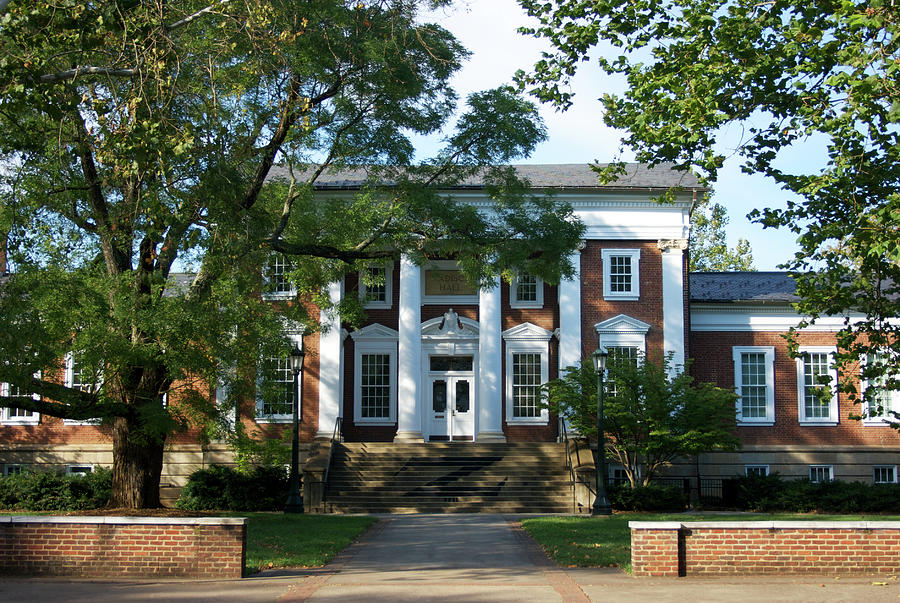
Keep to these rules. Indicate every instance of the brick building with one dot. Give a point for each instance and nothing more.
(437, 360)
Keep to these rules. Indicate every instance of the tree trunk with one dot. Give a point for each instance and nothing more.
(137, 467)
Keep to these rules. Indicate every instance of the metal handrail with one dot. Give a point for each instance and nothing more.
(336, 434)
(569, 465)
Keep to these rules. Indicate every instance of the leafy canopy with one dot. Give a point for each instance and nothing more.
(650, 415)
(783, 71)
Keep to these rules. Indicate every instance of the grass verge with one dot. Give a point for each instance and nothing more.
(284, 540)
(606, 541)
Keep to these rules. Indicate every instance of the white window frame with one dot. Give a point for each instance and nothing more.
(277, 295)
(375, 339)
(737, 353)
(8, 467)
(537, 302)
(833, 417)
(526, 338)
(294, 339)
(388, 289)
(73, 469)
(635, 257)
(875, 469)
(830, 469)
(892, 404)
(70, 379)
(747, 468)
(33, 418)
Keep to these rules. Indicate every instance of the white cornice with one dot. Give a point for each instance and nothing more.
(748, 318)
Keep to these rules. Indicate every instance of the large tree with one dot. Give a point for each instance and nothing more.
(138, 139)
(782, 71)
(708, 250)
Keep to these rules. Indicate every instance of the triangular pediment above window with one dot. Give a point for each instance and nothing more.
(291, 327)
(622, 325)
(527, 332)
(375, 332)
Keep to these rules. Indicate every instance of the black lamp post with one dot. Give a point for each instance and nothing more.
(294, 503)
(601, 504)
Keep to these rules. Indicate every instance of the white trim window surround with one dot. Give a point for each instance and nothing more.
(376, 286)
(621, 274)
(18, 416)
(887, 402)
(754, 382)
(275, 386)
(81, 469)
(375, 375)
(86, 378)
(623, 332)
(821, 473)
(13, 469)
(527, 369)
(526, 291)
(275, 283)
(817, 400)
(884, 474)
(756, 470)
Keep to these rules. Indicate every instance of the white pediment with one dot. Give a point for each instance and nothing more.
(450, 326)
(291, 327)
(527, 332)
(622, 325)
(375, 332)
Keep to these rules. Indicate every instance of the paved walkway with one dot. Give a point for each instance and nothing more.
(454, 558)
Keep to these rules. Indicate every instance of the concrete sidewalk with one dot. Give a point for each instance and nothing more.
(454, 558)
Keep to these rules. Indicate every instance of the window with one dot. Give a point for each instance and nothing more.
(884, 402)
(375, 375)
(276, 284)
(275, 390)
(821, 473)
(884, 474)
(80, 375)
(756, 470)
(754, 382)
(527, 368)
(618, 356)
(18, 416)
(625, 339)
(79, 469)
(376, 286)
(620, 274)
(526, 291)
(816, 386)
(13, 469)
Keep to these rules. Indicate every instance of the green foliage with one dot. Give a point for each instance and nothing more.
(782, 73)
(139, 139)
(647, 498)
(709, 250)
(51, 491)
(773, 493)
(226, 489)
(650, 414)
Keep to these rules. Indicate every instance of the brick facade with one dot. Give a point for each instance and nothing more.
(717, 548)
(123, 547)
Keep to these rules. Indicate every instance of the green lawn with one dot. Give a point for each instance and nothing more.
(283, 540)
(606, 541)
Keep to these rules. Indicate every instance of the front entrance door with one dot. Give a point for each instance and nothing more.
(451, 385)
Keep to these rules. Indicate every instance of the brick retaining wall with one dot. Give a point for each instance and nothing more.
(764, 547)
(123, 547)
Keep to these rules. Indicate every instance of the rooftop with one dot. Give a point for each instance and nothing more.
(745, 287)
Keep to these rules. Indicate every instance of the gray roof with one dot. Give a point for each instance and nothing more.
(745, 287)
(558, 176)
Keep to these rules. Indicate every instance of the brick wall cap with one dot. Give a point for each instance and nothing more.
(100, 519)
(766, 525)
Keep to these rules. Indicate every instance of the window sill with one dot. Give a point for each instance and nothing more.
(755, 423)
(526, 305)
(818, 423)
(377, 306)
(375, 422)
(279, 296)
(629, 297)
(277, 419)
(529, 421)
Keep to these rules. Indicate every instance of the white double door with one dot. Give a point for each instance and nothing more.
(451, 405)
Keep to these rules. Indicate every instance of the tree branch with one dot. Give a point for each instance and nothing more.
(86, 70)
(327, 251)
(196, 15)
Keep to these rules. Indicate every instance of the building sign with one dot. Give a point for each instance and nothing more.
(447, 282)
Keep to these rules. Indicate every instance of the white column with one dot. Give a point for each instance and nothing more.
(409, 353)
(673, 300)
(490, 366)
(570, 317)
(331, 355)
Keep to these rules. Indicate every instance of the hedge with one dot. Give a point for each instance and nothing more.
(771, 493)
(52, 491)
(226, 489)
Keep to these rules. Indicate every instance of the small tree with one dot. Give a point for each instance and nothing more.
(650, 415)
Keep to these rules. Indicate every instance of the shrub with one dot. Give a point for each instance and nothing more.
(227, 489)
(53, 491)
(772, 493)
(647, 498)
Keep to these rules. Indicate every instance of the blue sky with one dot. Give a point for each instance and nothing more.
(488, 29)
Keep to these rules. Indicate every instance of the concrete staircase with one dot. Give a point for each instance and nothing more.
(448, 477)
